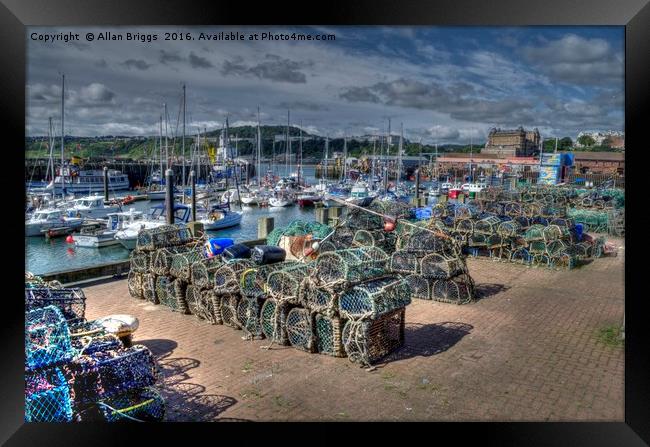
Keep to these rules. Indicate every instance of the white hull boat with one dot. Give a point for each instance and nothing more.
(98, 239)
(92, 207)
(219, 220)
(278, 202)
(88, 181)
(41, 221)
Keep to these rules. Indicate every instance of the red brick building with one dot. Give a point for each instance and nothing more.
(599, 162)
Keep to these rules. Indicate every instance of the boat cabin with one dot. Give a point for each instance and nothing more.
(181, 212)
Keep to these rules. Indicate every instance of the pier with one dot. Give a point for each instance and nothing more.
(528, 350)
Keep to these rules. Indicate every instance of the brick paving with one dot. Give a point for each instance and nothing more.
(529, 350)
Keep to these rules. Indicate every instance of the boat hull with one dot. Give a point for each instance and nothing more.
(38, 228)
(96, 241)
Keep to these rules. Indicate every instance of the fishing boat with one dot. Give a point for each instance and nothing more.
(358, 193)
(87, 181)
(128, 235)
(309, 197)
(91, 206)
(46, 219)
(105, 237)
(281, 199)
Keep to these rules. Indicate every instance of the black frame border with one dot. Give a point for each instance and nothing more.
(15, 15)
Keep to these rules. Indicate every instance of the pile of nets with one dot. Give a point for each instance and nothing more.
(76, 371)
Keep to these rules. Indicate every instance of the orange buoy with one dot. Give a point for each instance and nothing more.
(69, 239)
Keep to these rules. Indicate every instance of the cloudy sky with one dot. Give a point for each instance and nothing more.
(445, 84)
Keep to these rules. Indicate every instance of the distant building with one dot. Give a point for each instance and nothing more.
(599, 162)
(616, 139)
(513, 143)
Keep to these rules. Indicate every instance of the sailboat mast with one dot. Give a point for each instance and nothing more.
(288, 149)
(183, 143)
(166, 139)
(399, 156)
(259, 150)
(62, 134)
(300, 165)
(345, 158)
(160, 145)
(52, 149)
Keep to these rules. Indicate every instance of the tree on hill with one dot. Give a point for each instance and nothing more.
(586, 140)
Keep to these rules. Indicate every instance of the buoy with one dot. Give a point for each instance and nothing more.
(69, 239)
(389, 225)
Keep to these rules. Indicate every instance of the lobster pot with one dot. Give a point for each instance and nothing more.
(342, 238)
(350, 266)
(284, 284)
(192, 299)
(424, 241)
(205, 308)
(229, 305)
(403, 261)
(248, 314)
(555, 232)
(521, 255)
(441, 266)
(420, 286)
(149, 285)
(47, 397)
(203, 272)
(508, 228)
(487, 226)
(47, 338)
(361, 220)
(163, 236)
(70, 301)
(457, 290)
(144, 405)
(85, 380)
(253, 281)
(125, 369)
(226, 277)
(555, 248)
(216, 305)
(165, 292)
(375, 297)
(161, 260)
(83, 330)
(134, 283)
(464, 226)
(180, 287)
(540, 260)
(140, 261)
(96, 343)
(181, 263)
(534, 233)
(273, 317)
(366, 341)
(564, 260)
(537, 247)
(374, 238)
(300, 329)
(318, 298)
(329, 331)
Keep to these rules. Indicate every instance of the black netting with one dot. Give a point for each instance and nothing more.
(149, 288)
(420, 286)
(229, 305)
(125, 369)
(203, 272)
(181, 263)
(350, 266)
(140, 261)
(284, 284)
(316, 297)
(248, 314)
(457, 290)
(70, 301)
(163, 236)
(143, 405)
(273, 317)
(227, 277)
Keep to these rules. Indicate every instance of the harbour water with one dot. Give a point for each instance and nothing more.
(45, 256)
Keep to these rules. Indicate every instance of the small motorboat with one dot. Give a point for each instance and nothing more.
(96, 238)
(91, 206)
(46, 219)
(220, 218)
(281, 199)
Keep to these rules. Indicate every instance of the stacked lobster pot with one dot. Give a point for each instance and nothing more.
(349, 305)
(200, 293)
(160, 265)
(76, 371)
(433, 266)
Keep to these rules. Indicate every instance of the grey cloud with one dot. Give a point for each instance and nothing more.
(303, 105)
(166, 56)
(138, 64)
(199, 62)
(452, 100)
(273, 68)
(576, 59)
(96, 93)
(101, 63)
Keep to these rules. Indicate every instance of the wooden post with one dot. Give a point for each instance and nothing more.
(264, 226)
(417, 184)
(169, 199)
(105, 183)
(322, 215)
